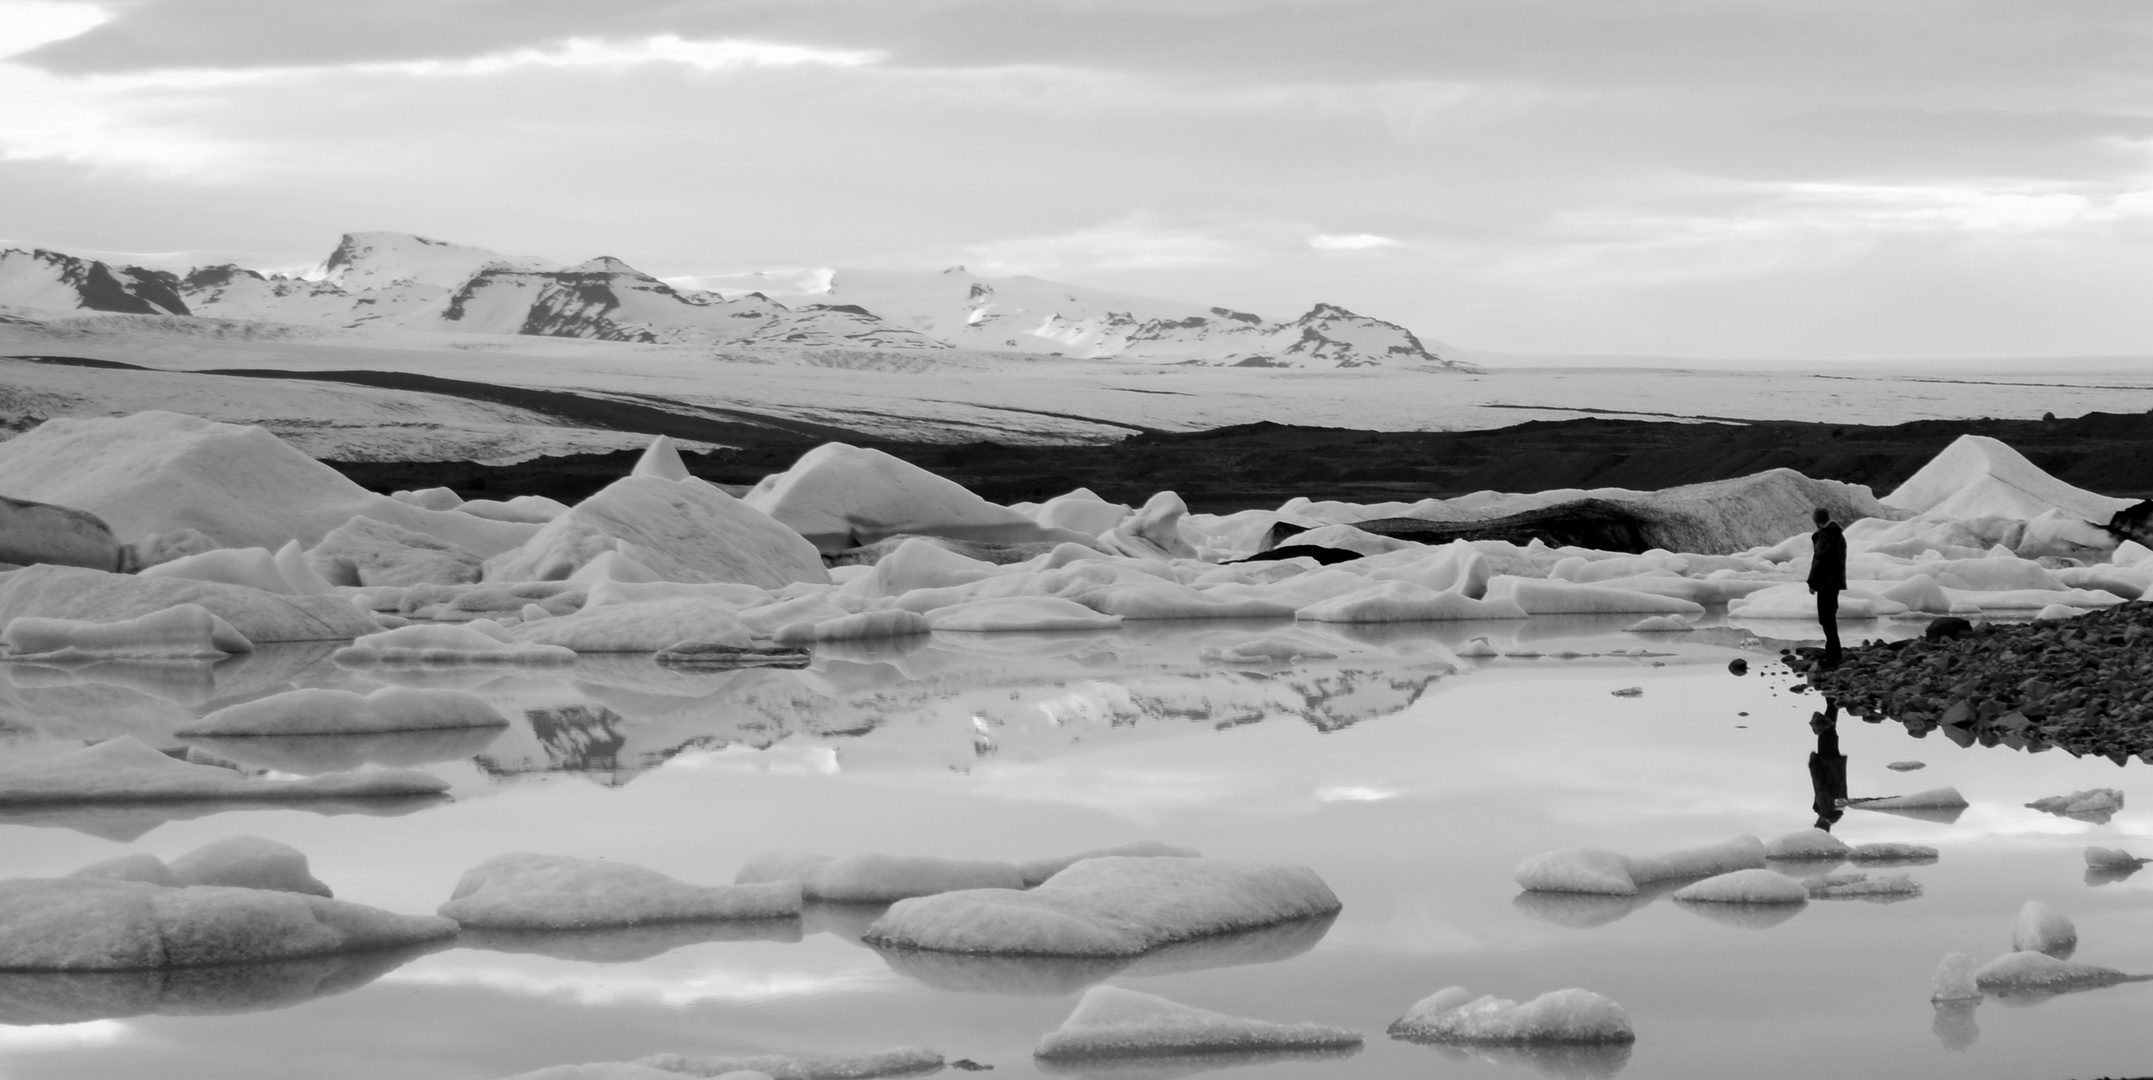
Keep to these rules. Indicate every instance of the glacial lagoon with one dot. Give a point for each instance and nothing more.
(1411, 779)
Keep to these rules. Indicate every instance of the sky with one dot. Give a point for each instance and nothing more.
(1725, 179)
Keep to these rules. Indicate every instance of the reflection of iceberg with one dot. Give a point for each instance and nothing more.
(1746, 916)
(1583, 911)
(625, 944)
(190, 683)
(75, 997)
(313, 755)
(126, 822)
(1175, 1066)
(1955, 1024)
(2109, 875)
(1557, 1061)
(1055, 975)
(847, 921)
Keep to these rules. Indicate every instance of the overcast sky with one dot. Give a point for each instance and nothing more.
(1780, 178)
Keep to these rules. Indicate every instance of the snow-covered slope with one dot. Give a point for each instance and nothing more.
(36, 281)
(1028, 314)
(370, 260)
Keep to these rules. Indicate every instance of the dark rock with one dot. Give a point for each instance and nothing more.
(1947, 628)
(1738, 666)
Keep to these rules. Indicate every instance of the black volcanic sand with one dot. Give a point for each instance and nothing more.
(1259, 466)
(2084, 685)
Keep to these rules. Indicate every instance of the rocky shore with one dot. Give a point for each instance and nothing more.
(2083, 685)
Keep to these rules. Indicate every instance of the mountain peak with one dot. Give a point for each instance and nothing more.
(370, 260)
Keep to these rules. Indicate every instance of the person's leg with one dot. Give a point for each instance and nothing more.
(1828, 617)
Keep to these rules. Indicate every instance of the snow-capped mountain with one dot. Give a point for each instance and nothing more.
(396, 281)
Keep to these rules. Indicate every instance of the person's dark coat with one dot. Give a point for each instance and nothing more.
(1827, 566)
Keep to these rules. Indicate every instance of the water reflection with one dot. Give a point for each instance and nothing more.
(1827, 767)
(1173, 1066)
(1052, 976)
(313, 755)
(1583, 911)
(626, 944)
(1744, 916)
(1557, 1061)
(74, 997)
(127, 822)
(1955, 1025)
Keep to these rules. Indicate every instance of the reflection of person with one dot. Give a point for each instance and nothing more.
(1827, 576)
(1827, 767)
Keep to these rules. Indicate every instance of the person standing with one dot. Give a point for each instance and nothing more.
(1827, 576)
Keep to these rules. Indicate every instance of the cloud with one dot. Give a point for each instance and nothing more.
(599, 53)
(28, 24)
(1353, 242)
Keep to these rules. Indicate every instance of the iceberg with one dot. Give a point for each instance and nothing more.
(1857, 886)
(639, 626)
(2039, 973)
(2096, 805)
(93, 596)
(1113, 906)
(1020, 613)
(897, 1061)
(1576, 870)
(1954, 979)
(2043, 929)
(341, 712)
(1745, 887)
(840, 497)
(1807, 844)
(368, 552)
(679, 530)
(1740, 853)
(125, 770)
(178, 632)
(435, 644)
(88, 924)
(245, 862)
(552, 892)
(1110, 1022)
(1038, 870)
(1406, 601)
(1454, 1015)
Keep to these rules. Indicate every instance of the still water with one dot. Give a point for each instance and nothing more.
(1411, 780)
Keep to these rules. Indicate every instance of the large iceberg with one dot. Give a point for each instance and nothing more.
(1116, 906)
(554, 892)
(1454, 1015)
(125, 770)
(840, 497)
(92, 924)
(245, 862)
(878, 879)
(178, 632)
(93, 596)
(680, 530)
(1110, 1022)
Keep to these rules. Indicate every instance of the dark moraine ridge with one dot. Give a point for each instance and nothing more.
(1262, 465)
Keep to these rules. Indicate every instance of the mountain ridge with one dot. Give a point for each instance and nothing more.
(406, 282)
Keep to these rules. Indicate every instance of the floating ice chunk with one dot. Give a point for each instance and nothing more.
(125, 770)
(682, 530)
(2043, 929)
(1265, 650)
(1038, 870)
(2132, 555)
(35, 532)
(1153, 532)
(66, 592)
(2057, 612)
(1906, 766)
(1627, 691)
(1885, 851)
(1807, 844)
(1542, 597)
(1862, 887)
(1576, 870)
(141, 866)
(1943, 798)
(341, 712)
(554, 892)
(185, 630)
(1954, 979)
(1740, 853)
(877, 879)
(1659, 624)
(433, 498)
(1406, 601)
(607, 1070)
(254, 568)
(248, 862)
(1745, 887)
(2037, 972)
(643, 626)
(840, 496)
(433, 644)
(2112, 858)
(897, 1061)
(2094, 804)
(1080, 511)
(1348, 538)
(920, 563)
(86, 924)
(525, 509)
(1114, 906)
(1110, 1022)
(1020, 613)
(661, 459)
(367, 552)
(1920, 593)
(1477, 649)
(1795, 601)
(1453, 1015)
(887, 623)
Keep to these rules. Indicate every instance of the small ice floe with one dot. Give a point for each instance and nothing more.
(886, 623)
(1943, 804)
(877, 879)
(1806, 845)
(1019, 613)
(1036, 871)
(1745, 887)
(1629, 691)
(177, 632)
(2029, 972)
(1477, 649)
(1858, 886)
(240, 862)
(717, 656)
(1454, 1015)
(2043, 929)
(897, 1061)
(1114, 906)
(1954, 980)
(313, 711)
(480, 641)
(1110, 1022)
(1659, 624)
(1589, 870)
(1274, 650)
(2096, 805)
(126, 770)
(91, 924)
(1906, 766)
(1893, 853)
(551, 892)
(2106, 866)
